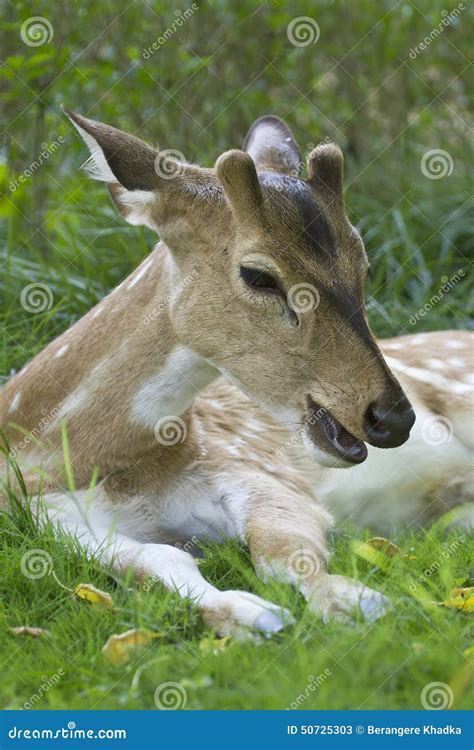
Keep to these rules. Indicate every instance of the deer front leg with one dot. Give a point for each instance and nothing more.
(99, 532)
(286, 536)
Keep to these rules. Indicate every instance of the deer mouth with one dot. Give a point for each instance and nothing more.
(330, 435)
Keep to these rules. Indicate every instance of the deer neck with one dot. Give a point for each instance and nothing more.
(117, 371)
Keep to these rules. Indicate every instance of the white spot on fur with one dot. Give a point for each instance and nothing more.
(455, 344)
(172, 389)
(436, 364)
(73, 403)
(427, 376)
(62, 350)
(394, 346)
(98, 311)
(15, 402)
(456, 362)
(140, 273)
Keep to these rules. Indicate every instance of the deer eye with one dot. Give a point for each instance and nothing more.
(259, 280)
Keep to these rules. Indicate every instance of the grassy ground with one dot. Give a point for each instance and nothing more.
(385, 665)
(80, 252)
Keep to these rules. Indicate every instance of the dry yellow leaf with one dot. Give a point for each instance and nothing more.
(95, 596)
(26, 630)
(461, 598)
(120, 648)
(388, 548)
(384, 545)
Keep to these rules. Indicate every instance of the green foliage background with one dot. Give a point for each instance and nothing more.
(226, 65)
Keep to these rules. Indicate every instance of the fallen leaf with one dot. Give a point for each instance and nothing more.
(95, 596)
(26, 630)
(213, 646)
(120, 648)
(388, 548)
(461, 598)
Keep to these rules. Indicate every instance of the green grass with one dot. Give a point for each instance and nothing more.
(385, 665)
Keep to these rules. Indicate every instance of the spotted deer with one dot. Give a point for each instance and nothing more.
(178, 392)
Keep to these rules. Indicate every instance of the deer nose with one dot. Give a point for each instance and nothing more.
(388, 425)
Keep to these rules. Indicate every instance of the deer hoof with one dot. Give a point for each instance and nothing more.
(342, 599)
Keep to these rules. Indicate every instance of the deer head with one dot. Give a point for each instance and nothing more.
(275, 292)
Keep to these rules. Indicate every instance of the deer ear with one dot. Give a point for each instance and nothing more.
(271, 145)
(117, 156)
(140, 178)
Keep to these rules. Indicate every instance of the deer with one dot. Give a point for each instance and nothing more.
(246, 322)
